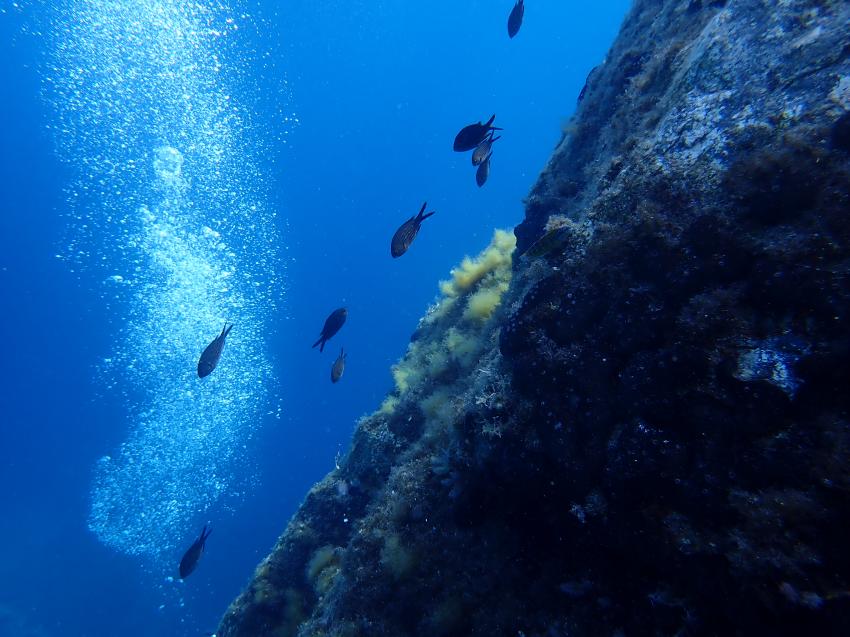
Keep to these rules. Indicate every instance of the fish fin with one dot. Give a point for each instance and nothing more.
(490, 121)
(492, 128)
(492, 139)
(421, 216)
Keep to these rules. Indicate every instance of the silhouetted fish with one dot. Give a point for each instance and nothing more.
(332, 325)
(209, 359)
(483, 149)
(405, 235)
(483, 171)
(551, 241)
(191, 557)
(338, 367)
(586, 83)
(470, 136)
(515, 18)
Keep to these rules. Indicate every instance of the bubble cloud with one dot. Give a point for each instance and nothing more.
(168, 199)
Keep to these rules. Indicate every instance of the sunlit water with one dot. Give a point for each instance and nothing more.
(151, 104)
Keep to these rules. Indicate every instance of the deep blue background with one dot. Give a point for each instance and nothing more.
(380, 90)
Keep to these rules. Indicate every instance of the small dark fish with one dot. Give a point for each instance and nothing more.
(209, 359)
(191, 557)
(586, 83)
(483, 171)
(483, 149)
(551, 241)
(515, 19)
(405, 235)
(470, 136)
(338, 367)
(332, 325)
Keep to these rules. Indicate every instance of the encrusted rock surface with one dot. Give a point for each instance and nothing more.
(644, 430)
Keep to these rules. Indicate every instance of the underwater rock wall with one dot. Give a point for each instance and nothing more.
(636, 423)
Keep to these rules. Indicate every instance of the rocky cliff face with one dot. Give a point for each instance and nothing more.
(636, 421)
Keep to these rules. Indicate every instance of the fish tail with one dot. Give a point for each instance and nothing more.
(422, 214)
(226, 330)
(491, 120)
(206, 533)
(321, 343)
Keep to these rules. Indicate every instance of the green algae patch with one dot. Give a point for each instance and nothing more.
(323, 568)
(294, 614)
(396, 558)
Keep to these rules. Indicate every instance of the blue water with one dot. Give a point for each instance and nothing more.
(166, 167)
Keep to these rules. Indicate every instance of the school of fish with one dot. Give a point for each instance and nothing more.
(478, 138)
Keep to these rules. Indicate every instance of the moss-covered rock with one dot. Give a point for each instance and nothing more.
(639, 426)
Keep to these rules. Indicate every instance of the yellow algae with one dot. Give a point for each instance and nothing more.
(439, 407)
(471, 271)
(482, 303)
(451, 332)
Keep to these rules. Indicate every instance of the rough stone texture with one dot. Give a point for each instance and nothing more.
(649, 435)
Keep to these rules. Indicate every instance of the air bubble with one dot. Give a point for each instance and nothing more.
(160, 192)
(168, 163)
